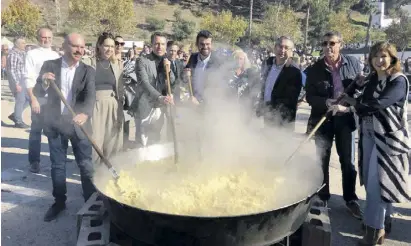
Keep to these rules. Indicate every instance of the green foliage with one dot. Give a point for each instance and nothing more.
(103, 15)
(399, 33)
(278, 21)
(343, 5)
(177, 14)
(340, 22)
(377, 35)
(155, 24)
(21, 18)
(395, 4)
(318, 21)
(224, 26)
(183, 29)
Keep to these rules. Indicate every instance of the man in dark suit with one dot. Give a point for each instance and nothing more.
(76, 82)
(200, 64)
(177, 66)
(281, 85)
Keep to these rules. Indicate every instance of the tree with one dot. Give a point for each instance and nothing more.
(224, 26)
(395, 4)
(21, 18)
(399, 32)
(182, 29)
(155, 24)
(318, 22)
(340, 22)
(278, 21)
(103, 15)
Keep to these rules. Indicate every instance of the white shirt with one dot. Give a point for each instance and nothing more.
(67, 76)
(198, 80)
(33, 63)
(201, 64)
(271, 80)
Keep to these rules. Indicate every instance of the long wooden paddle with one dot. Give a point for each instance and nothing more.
(93, 143)
(171, 115)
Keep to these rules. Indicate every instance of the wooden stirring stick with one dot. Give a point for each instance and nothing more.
(171, 114)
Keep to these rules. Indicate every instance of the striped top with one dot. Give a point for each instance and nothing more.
(388, 107)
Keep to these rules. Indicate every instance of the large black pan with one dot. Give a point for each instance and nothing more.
(168, 230)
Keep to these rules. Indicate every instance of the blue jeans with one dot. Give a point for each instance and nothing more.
(35, 133)
(21, 102)
(375, 209)
(82, 149)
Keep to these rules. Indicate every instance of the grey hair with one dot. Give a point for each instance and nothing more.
(17, 38)
(333, 34)
(282, 38)
(41, 29)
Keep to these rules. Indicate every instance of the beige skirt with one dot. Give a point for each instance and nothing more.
(107, 125)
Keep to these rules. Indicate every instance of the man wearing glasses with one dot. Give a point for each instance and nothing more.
(281, 86)
(326, 80)
(119, 42)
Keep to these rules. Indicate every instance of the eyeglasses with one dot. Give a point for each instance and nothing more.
(330, 43)
(118, 43)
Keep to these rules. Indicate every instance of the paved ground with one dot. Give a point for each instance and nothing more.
(25, 196)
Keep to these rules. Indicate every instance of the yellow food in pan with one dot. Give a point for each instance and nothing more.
(225, 194)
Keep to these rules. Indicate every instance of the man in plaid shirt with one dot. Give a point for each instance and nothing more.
(15, 69)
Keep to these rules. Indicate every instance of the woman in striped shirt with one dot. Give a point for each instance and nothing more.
(384, 140)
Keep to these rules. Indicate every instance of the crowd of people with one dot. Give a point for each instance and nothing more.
(108, 91)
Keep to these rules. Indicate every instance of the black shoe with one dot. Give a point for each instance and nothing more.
(12, 118)
(21, 125)
(35, 167)
(354, 209)
(54, 211)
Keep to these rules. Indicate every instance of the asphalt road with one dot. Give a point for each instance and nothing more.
(25, 197)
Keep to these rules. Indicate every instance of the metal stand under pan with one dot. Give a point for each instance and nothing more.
(95, 228)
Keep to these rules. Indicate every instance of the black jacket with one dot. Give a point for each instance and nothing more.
(83, 98)
(178, 70)
(286, 91)
(319, 87)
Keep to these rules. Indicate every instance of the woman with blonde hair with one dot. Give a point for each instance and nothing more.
(242, 83)
(384, 140)
(107, 121)
(244, 76)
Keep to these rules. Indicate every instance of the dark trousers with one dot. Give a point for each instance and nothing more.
(35, 133)
(82, 149)
(343, 140)
(126, 133)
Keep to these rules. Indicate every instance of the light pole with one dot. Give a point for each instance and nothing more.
(250, 22)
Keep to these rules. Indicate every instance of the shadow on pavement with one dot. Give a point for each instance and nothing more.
(404, 211)
(7, 125)
(347, 229)
(400, 230)
(23, 225)
(20, 143)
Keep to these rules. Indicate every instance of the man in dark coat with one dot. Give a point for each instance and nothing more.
(281, 85)
(326, 80)
(76, 82)
(148, 106)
